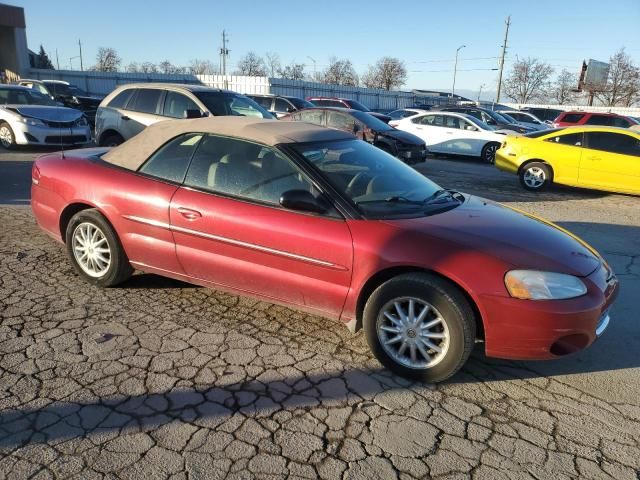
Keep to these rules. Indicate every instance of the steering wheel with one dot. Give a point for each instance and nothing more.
(360, 180)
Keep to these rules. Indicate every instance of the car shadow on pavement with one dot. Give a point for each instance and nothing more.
(152, 281)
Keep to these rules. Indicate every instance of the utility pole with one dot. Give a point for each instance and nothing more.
(480, 91)
(80, 46)
(224, 52)
(57, 61)
(504, 52)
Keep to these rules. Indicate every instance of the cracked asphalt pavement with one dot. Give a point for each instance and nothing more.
(160, 379)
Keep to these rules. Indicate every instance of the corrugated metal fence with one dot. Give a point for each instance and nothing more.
(104, 82)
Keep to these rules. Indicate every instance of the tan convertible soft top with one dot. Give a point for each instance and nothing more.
(132, 153)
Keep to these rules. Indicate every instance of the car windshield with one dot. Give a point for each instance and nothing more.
(498, 117)
(60, 89)
(372, 122)
(226, 103)
(509, 118)
(478, 123)
(19, 96)
(299, 103)
(378, 184)
(77, 91)
(358, 106)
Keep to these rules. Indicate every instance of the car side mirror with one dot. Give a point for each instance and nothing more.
(193, 113)
(356, 128)
(471, 128)
(290, 109)
(303, 200)
(491, 121)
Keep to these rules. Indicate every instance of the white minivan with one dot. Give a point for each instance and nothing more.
(455, 134)
(129, 109)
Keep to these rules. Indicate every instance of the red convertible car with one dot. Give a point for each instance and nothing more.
(315, 219)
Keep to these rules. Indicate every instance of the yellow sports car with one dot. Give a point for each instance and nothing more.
(604, 158)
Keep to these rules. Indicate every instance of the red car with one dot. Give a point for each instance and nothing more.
(570, 119)
(315, 219)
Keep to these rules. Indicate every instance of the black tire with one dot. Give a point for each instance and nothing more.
(8, 134)
(119, 268)
(112, 140)
(532, 171)
(447, 300)
(488, 154)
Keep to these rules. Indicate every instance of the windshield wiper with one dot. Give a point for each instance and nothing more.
(394, 199)
(443, 195)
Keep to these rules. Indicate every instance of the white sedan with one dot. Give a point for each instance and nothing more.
(403, 113)
(455, 134)
(27, 117)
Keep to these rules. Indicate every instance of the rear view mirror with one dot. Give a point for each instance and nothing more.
(192, 113)
(303, 200)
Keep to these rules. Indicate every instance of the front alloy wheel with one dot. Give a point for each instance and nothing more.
(413, 332)
(91, 249)
(420, 326)
(6, 136)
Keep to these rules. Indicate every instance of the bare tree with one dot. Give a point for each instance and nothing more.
(387, 73)
(293, 71)
(340, 72)
(133, 67)
(107, 60)
(252, 65)
(273, 63)
(528, 80)
(201, 67)
(148, 67)
(623, 83)
(167, 67)
(562, 90)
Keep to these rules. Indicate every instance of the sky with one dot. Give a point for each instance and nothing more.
(423, 33)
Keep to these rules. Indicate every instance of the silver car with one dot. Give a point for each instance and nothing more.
(129, 109)
(28, 117)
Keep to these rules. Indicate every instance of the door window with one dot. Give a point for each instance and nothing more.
(146, 100)
(573, 139)
(282, 106)
(599, 120)
(340, 121)
(452, 122)
(432, 120)
(121, 99)
(613, 142)
(312, 116)
(176, 105)
(263, 101)
(245, 170)
(621, 122)
(572, 117)
(170, 162)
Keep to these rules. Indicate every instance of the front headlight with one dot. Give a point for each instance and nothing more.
(535, 285)
(81, 122)
(31, 121)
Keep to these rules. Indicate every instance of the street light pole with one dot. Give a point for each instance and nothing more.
(455, 71)
(315, 74)
(480, 92)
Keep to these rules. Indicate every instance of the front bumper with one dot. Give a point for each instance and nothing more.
(540, 330)
(413, 156)
(44, 135)
(506, 162)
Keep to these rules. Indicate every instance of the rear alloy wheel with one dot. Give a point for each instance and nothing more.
(420, 326)
(488, 153)
(95, 250)
(7, 138)
(535, 176)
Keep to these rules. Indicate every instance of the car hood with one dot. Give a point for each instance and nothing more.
(52, 114)
(380, 116)
(517, 238)
(402, 136)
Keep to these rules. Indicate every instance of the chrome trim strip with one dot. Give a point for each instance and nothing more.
(603, 324)
(232, 241)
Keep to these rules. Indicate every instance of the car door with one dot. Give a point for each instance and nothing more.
(231, 231)
(142, 201)
(611, 161)
(430, 129)
(466, 138)
(564, 153)
(143, 109)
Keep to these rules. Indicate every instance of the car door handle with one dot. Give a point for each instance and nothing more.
(124, 117)
(189, 214)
